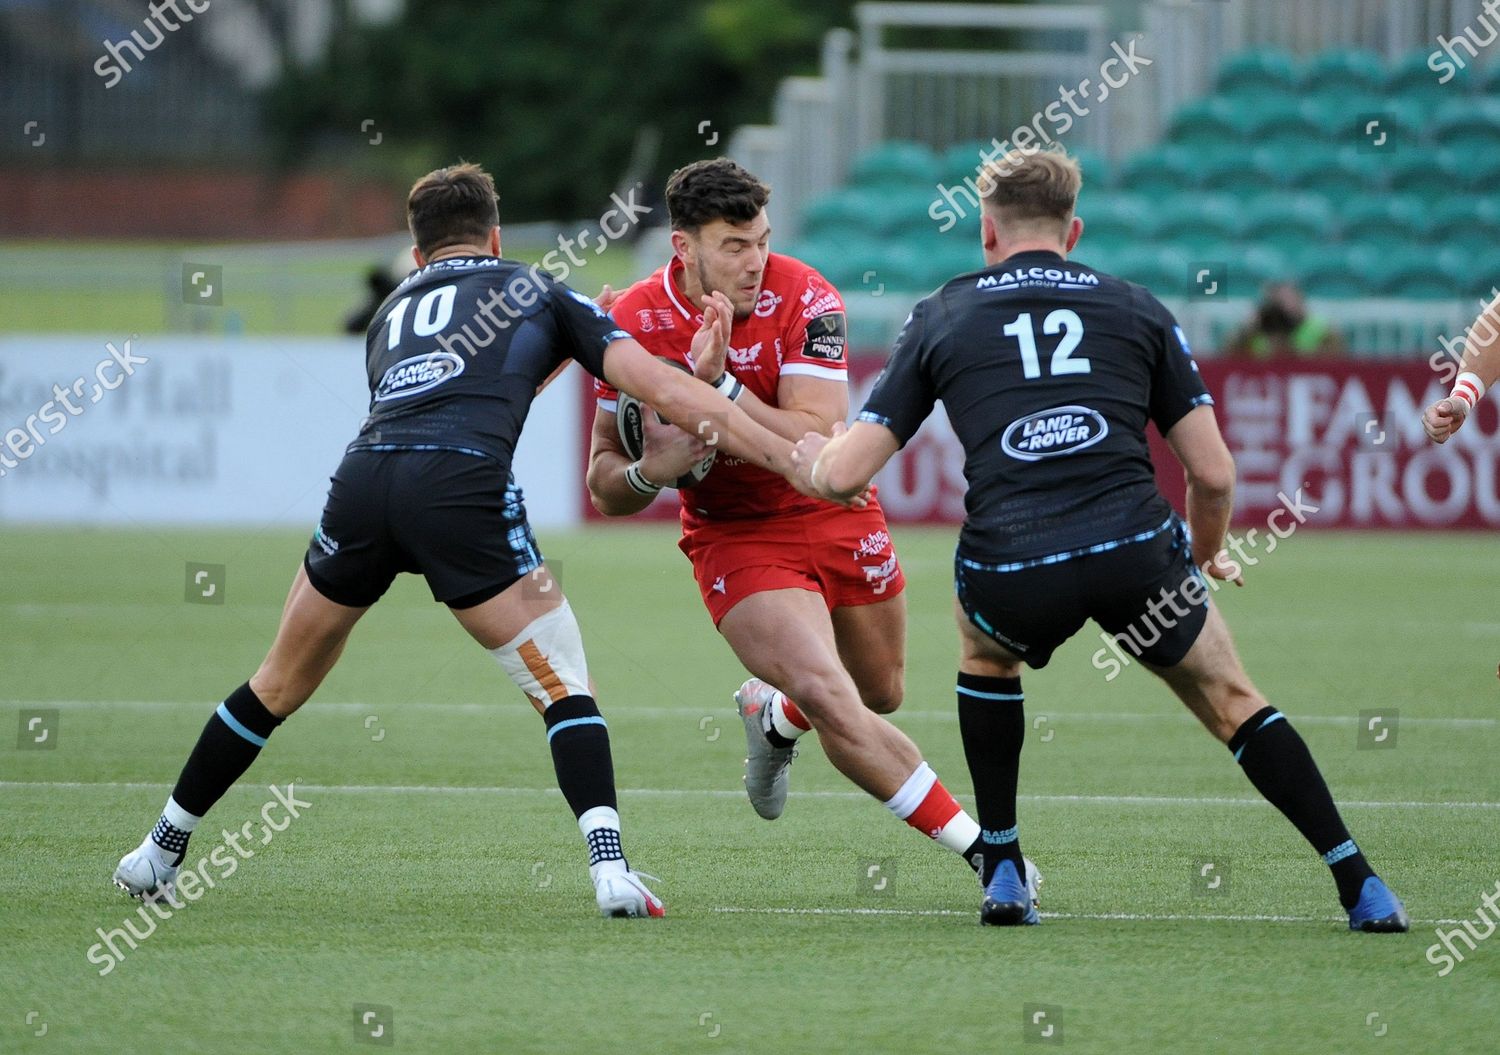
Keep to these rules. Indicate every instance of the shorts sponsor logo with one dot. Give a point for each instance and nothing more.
(881, 575)
(420, 373)
(766, 304)
(1054, 433)
(873, 544)
(719, 586)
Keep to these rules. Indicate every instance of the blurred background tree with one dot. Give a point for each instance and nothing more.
(550, 96)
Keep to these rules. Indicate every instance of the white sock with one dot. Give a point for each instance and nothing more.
(601, 828)
(168, 841)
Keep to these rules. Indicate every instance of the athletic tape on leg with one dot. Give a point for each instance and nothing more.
(546, 659)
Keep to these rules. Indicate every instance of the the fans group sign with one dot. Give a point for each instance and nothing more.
(1349, 435)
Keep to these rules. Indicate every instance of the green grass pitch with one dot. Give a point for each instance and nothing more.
(438, 874)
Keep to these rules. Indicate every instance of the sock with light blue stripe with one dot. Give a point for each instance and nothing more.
(1277, 761)
(992, 723)
(229, 743)
(579, 740)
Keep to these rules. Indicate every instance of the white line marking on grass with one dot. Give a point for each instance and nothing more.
(506, 706)
(728, 793)
(1150, 917)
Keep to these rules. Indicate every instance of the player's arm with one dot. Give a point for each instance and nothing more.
(692, 405)
(1479, 370)
(1200, 447)
(669, 453)
(841, 467)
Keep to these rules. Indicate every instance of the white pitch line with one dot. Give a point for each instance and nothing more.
(507, 705)
(453, 789)
(1150, 917)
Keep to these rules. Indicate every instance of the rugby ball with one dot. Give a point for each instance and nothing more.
(630, 417)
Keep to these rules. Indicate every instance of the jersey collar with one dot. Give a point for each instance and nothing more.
(675, 295)
(1032, 254)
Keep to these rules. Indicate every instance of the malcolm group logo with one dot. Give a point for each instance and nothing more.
(420, 373)
(1054, 433)
(1061, 278)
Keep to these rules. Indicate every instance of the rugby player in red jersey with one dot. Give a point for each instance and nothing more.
(809, 595)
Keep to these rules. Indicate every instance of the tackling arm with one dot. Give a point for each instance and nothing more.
(841, 467)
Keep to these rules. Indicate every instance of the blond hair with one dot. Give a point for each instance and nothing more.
(1031, 190)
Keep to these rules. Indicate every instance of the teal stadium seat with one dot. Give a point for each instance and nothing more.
(1258, 73)
(962, 160)
(1387, 222)
(1469, 224)
(1414, 273)
(837, 214)
(1201, 224)
(1094, 167)
(1335, 274)
(1209, 123)
(1287, 221)
(1316, 169)
(1345, 70)
(1475, 275)
(1161, 269)
(1231, 169)
(1279, 121)
(1411, 77)
(896, 164)
(1161, 171)
(1116, 217)
(1432, 174)
(1469, 125)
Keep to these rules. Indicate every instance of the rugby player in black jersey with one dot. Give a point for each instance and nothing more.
(1049, 372)
(455, 357)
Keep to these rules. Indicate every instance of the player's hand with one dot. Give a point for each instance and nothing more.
(668, 452)
(710, 349)
(805, 456)
(1444, 418)
(606, 298)
(1222, 567)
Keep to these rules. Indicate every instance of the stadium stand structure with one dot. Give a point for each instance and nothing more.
(1354, 177)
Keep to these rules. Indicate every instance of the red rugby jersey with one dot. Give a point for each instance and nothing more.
(797, 328)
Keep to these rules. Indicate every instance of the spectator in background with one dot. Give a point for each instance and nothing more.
(1282, 328)
(380, 284)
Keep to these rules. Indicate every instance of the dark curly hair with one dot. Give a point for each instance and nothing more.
(718, 189)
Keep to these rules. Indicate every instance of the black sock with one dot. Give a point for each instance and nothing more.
(1277, 761)
(580, 753)
(992, 722)
(230, 741)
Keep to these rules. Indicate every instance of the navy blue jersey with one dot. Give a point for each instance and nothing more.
(455, 354)
(1049, 371)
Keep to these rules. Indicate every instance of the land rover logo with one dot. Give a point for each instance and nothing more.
(418, 374)
(1053, 433)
